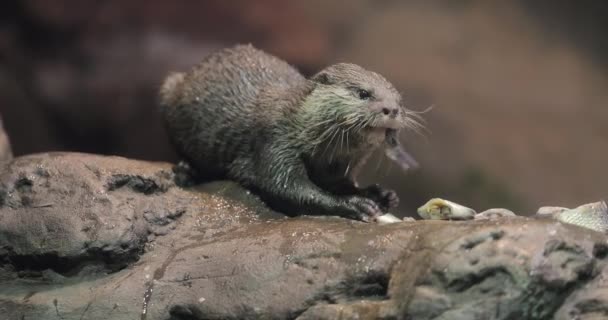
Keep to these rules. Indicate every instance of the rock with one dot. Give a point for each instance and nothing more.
(387, 218)
(5, 146)
(494, 213)
(91, 237)
(592, 216)
(62, 213)
(590, 302)
(546, 211)
(440, 209)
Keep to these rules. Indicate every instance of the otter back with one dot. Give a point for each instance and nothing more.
(213, 113)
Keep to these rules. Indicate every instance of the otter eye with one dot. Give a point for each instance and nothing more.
(364, 94)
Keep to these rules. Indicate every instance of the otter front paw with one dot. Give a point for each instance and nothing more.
(361, 208)
(385, 198)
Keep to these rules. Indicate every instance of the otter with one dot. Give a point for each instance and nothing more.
(298, 143)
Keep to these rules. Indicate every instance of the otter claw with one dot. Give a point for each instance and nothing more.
(364, 209)
(391, 199)
(386, 198)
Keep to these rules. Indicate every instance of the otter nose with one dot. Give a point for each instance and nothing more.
(390, 111)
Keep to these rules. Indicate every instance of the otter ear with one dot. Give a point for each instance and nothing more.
(322, 78)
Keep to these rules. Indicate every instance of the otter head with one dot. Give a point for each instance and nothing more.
(358, 102)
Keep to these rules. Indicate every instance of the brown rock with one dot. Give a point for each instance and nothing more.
(588, 303)
(93, 237)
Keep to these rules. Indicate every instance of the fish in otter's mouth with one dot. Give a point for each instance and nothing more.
(394, 151)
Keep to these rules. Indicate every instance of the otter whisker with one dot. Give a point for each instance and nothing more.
(351, 119)
(354, 123)
(328, 131)
(415, 126)
(363, 125)
(341, 139)
(347, 144)
(325, 134)
(374, 122)
(414, 113)
(412, 124)
(322, 137)
(335, 147)
(349, 129)
(429, 108)
(320, 123)
(335, 133)
(347, 169)
(353, 127)
(415, 118)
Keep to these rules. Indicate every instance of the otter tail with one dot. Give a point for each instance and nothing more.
(170, 91)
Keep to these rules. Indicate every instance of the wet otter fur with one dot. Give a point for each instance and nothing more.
(299, 143)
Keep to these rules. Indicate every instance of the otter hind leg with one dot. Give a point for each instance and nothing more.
(186, 175)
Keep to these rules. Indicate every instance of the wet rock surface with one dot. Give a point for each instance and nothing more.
(92, 237)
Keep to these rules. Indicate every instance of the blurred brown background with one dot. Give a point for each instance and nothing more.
(519, 88)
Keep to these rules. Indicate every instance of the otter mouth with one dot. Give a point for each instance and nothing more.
(386, 124)
(377, 129)
(376, 135)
